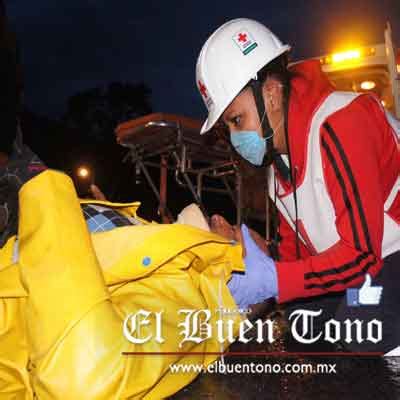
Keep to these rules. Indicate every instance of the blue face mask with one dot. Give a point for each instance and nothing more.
(250, 146)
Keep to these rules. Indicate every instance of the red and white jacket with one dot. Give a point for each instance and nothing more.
(346, 158)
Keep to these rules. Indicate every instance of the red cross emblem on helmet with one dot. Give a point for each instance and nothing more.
(242, 37)
(203, 89)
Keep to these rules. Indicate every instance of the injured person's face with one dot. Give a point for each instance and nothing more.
(222, 227)
(192, 215)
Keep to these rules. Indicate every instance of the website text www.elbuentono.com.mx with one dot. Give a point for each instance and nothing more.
(220, 367)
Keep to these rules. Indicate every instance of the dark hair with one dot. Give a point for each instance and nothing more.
(277, 68)
(10, 83)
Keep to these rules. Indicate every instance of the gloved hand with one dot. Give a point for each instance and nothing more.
(259, 281)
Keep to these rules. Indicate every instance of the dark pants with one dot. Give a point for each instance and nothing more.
(387, 311)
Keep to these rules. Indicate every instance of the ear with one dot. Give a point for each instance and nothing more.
(273, 95)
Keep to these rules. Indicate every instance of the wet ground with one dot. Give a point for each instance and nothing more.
(356, 378)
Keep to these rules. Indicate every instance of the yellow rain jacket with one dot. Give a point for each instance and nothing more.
(63, 300)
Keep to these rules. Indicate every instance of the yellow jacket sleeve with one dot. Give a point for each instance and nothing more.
(14, 377)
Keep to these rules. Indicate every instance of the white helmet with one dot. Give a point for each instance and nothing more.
(229, 59)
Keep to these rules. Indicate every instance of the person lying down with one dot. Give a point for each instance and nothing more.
(66, 291)
(192, 215)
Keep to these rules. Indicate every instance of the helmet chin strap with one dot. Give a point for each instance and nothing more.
(267, 131)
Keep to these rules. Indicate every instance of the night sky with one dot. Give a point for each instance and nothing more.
(72, 45)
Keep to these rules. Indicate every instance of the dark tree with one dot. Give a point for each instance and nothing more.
(96, 112)
(89, 123)
(10, 84)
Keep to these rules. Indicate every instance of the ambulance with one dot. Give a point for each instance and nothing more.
(373, 68)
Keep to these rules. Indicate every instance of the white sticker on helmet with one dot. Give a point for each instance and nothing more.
(245, 41)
